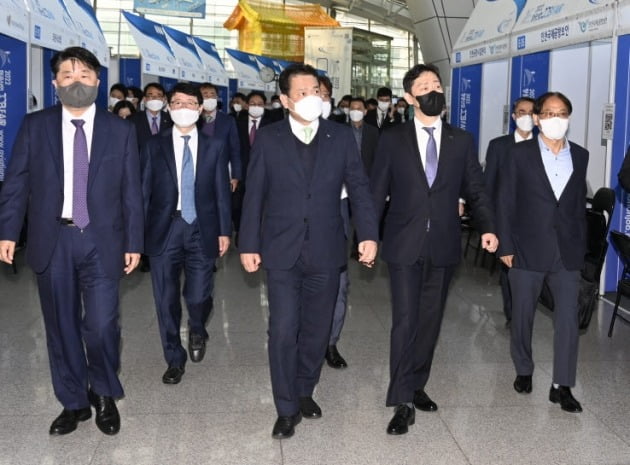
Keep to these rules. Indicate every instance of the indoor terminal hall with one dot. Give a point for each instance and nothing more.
(264, 232)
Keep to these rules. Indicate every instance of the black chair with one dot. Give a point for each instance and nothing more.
(621, 243)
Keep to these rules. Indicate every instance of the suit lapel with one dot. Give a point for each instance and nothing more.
(411, 139)
(324, 146)
(100, 139)
(168, 152)
(539, 167)
(54, 130)
(289, 147)
(446, 148)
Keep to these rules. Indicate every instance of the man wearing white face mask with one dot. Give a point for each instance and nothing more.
(385, 115)
(187, 225)
(497, 153)
(292, 226)
(153, 120)
(541, 217)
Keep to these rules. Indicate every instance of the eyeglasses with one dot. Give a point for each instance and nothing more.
(552, 114)
(188, 104)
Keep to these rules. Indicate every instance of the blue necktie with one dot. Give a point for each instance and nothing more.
(154, 126)
(431, 162)
(189, 213)
(80, 167)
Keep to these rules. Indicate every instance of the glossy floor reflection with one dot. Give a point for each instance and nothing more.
(222, 412)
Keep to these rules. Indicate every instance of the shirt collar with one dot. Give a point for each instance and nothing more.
(88, 115)
(192, 133)
(298, 128)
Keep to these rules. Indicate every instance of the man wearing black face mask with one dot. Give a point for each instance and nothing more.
(424, 165)
(75, 168)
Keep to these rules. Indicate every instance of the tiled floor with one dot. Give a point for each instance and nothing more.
(222, 412)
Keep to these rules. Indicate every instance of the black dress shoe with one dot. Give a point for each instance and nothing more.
(423, 402)
(334, 358)
(309, 408)
(523, 384)
(173, 375)
(107, 417)
(402, 419)
(563, 395)
(68, 420)
(284, 427)
(196, 347)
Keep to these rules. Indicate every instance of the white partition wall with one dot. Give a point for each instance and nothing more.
(494, 97)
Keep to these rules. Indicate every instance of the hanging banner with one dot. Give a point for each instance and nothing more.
(13, 95)
(247, 70)
(129, 72)
(530, 75)
(210, 58)
(466, 99)
(190, 66)
(157, 56)
(14, 19)
(51, 25)
(185, 8)
(90, 34)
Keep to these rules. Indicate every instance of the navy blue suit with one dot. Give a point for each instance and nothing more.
(291, 217)
(225, 130)
(173, 245)
(72, 264)
(143, 128)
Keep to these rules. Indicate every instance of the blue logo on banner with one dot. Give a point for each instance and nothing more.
(38, 32)
(148, 67)
(458, 57)
(520, 42)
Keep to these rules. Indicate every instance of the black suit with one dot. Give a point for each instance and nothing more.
(143, 128)
(369, 141)
(547, 237)
(422, 241)
(372, 118)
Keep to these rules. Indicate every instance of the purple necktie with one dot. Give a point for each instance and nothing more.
(80, 168)
(154, 126)
(431, 162)
(252, 132)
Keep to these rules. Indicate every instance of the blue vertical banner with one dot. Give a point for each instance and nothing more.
(530, 75)
(13, 100)
(130, 72)
(50, 96)
(167, 83)
(232, 89)
(224, 102)
(466, 99)
(621, 130)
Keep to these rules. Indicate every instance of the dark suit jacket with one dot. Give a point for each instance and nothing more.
(372, 118)
(398, 171)
(143, 128)
(34, 182)
(225, 130)
(161, 192)
(280, 205)
(242, 124)
(369, 141)
(496, 154)
(531, 221)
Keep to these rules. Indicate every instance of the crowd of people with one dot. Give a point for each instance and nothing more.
(290, 181)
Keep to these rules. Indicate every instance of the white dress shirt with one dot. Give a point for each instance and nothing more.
(297, 128)
(178, 147)
(423, 138)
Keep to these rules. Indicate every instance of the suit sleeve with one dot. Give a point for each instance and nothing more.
(15, 188)
(380, 177)
(624, 173)
(223, 193)
(253, 204)
(506, 205)
(475, 191)
(234, 148)
(131, 192)
(146, 170)
(491, 171)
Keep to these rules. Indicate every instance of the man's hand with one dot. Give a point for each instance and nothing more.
(132, 260)
(507, 260)
(367, 253)
(489, 242)
(224, 245)
(251, 261)
(7, 249)
(233, 184)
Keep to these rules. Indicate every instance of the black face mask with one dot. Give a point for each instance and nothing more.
(432, 103)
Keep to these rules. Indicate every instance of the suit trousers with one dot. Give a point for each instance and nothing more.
(301, 303)
(506, 293)
(418, 295)
(565, 286)
(341, 304)
(183, 252)
(80, 308)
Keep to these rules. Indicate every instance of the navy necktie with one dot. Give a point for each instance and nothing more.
(431, 162)
(80, 168)
(189, 214)
(154, 126)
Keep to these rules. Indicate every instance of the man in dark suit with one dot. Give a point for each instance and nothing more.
(153, 119)
(187, 205)
(75, 169)
(424, 165)
(366, 135)
(497, 153)
(385, 115)
(541, 219)
(292, 226)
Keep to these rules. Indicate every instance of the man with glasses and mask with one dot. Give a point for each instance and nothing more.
(75, 169)
(186, 191)
(292, 226)
(541, 218)
(497, 152)
(424, 165)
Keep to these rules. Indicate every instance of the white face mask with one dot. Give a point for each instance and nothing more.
(326, 108)
(154, 105)
(356, 115)
(255, 111)
(554, 128)
(383, 106)
(525, 123)
(131, 99)
(401, 110)
(113, 101)
(345, 110)
(276, 105)
(184, 117)
(309, 108)
(237, 107)
(209, 104)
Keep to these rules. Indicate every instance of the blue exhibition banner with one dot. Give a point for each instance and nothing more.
(50, 95)
(167, 83)
(13, 101)
(130, 73)
(466, 99)
(186, 8)
(530, 75)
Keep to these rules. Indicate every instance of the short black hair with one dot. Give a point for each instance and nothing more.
(416, 71)
(358, 99)
(275, 97)
(253, 93)
(155, 85)
(540, 101)
(326, 82)
(136, 91)
(520, 100)
(284, 81)
(185, 88)
(384, 92)
(123, 104)
(120, 87)
(208, 85)
(75, 53)
(240, 95)
(371, 101)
